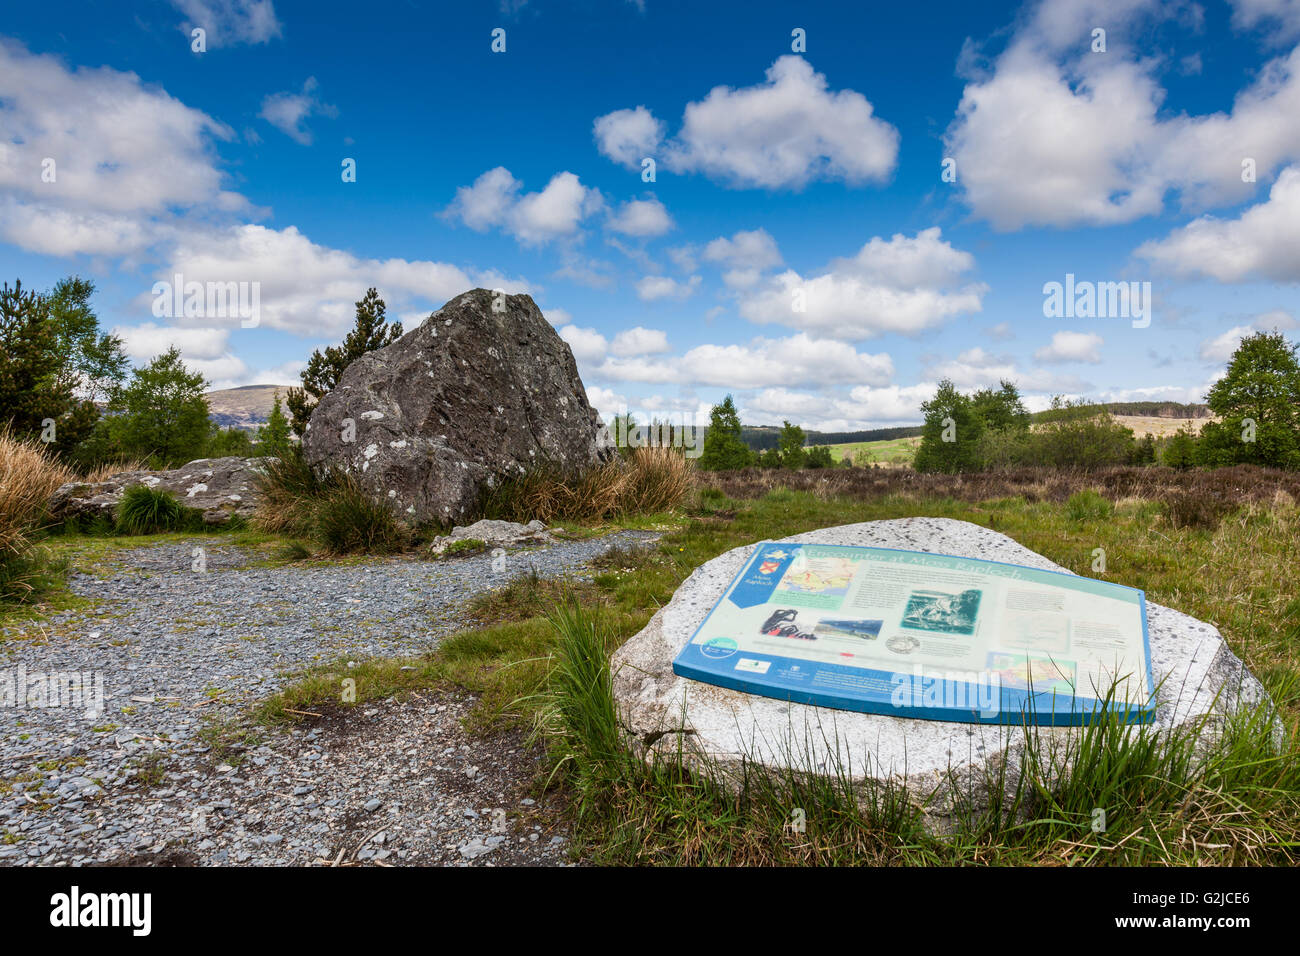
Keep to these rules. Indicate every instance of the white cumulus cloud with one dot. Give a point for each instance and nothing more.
(116, 145)
(1071, 347)
(782, 133)
(798, 359)
(903, 284)
(642, 218)
(640, 341)
(1260, 244)
(653, 288)
(1056, 135)
(289, 112)
(587, 345)
(309, 289)
(227, 22)
(628, 136)
(495, 199)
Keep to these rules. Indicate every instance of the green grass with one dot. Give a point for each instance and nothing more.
(538, 662)
(1088, 505)
(1241, 806)
(145, 510)
(1238, 577)
(349, 521)
(29, 577)
(891, 451)
(1237, 805)
(96, 554)
(463, 548)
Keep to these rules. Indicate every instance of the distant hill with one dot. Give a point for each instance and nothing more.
(245, 407)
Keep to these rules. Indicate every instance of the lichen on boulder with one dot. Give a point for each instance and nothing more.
(483, 390)
(222, 488)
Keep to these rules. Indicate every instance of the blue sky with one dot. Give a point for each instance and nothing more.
(799, 246)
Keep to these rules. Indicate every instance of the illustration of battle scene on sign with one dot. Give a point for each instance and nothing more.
(785, 622)
(942, 611)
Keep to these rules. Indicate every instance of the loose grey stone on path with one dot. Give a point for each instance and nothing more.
(179, 649)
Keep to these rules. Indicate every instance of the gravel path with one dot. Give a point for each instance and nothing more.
(399, 783)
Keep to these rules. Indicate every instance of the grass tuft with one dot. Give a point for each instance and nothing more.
(349, 521)
(145, 510)
(647, 481)
(332, 511)
(288, 490)
(1088, 505)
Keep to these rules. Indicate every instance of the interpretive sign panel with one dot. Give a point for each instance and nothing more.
(914, 634)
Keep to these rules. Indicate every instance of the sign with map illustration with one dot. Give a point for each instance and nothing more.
(926, 635)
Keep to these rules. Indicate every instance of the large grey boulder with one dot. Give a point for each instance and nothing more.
(472, 396)
(944, 768)
(222, 488)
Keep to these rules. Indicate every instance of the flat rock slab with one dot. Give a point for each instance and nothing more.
(222, 488)
(941, 765)
(492, 533)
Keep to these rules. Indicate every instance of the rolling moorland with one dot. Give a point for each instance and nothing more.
(269, 671)
(271, 661)
(263, 736)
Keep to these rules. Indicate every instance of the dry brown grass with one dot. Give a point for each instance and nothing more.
(649, 480)
(109, 469)
(1241, 484)
(657, 479)
(547, 495)
(28, 476)
(1159, 427)
(289, 491)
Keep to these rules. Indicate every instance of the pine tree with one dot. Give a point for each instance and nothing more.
(723, 447)
(273, 437)
(324, 370)
(1180, 451)
(29, 362)
(54, 362)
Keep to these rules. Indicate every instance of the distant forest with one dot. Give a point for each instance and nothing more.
(763, 437)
